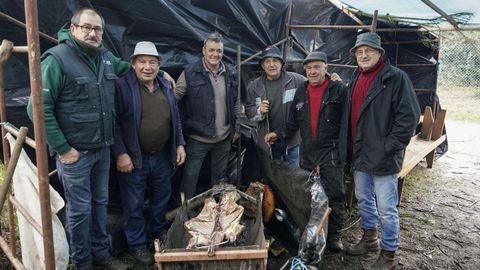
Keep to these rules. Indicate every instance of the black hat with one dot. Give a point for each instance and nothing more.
(271, 51)
(368, 39)
(315, 56)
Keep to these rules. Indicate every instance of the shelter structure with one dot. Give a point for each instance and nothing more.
(178, 28)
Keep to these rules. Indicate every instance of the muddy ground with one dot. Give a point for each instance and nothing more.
(439, 212)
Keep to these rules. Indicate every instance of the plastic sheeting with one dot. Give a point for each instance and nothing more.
(25, 185)
(178, 28)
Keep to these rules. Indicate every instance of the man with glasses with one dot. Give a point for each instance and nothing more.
(316, 111)
(207, 95)
(78, 77)
(381, 114)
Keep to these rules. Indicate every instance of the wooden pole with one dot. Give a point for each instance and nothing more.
(31, 17)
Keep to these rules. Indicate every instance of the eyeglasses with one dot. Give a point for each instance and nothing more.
(87, 29)
(367, 51)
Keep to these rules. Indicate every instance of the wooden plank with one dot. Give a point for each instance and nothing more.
(184, 256)
(416, 150)
(439, 124)
(427, 124)
(436, 133)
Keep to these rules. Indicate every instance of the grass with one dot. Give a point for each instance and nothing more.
(461, 103)
(4, 219)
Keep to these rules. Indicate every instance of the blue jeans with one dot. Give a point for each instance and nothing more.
(196, 153)
(290, 155)
(377, 200)
(293, 156)
(86, 192)
(153, 178)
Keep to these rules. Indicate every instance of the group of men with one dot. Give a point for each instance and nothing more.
(97, 105)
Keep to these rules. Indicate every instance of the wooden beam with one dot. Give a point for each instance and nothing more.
(188, 256)
(345, 10)
(427, 124)
(442, 13)
(8, 252)
(373, 27)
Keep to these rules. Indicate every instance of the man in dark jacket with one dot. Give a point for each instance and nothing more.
(207, 95)
(148, 145)
(316, 111)
(268, 102)
(382, 112)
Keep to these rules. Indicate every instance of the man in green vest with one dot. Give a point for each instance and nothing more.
(78, 77)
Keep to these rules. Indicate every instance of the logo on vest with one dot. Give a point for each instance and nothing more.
(107, 62)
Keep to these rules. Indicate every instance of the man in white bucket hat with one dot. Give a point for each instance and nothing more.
(148, 145)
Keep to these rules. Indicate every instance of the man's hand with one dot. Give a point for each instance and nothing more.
(124, 163)
(69, 157)
(235, 137)
(181, 155)
(335, 77)
(167, 77)
(264, 107)
(271, 138)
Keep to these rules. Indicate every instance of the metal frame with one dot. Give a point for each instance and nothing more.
(45, 229)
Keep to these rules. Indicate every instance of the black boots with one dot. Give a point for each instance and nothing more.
(386, 261)
(334, 243)
(368, 243)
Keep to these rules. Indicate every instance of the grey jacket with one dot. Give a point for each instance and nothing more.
(256, 89)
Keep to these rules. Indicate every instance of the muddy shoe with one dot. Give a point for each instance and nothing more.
(334, 243)
(368, 243)
(110, 263)
(143, 256)
(386, 261)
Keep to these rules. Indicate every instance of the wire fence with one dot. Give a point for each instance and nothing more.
(460, 60)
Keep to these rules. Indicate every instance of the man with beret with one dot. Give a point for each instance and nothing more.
(268, 102)
(316, 111)
(381, 114)
(148, 145)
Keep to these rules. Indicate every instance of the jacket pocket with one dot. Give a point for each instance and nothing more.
(79, 91)
(195, 87)
(85, 128)
(333, 112)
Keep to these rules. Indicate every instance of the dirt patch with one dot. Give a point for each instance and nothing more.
(439, 220)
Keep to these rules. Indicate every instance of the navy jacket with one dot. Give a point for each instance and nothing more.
(127, 123)
(198, 106)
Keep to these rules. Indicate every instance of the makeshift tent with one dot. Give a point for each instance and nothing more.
(178, 28)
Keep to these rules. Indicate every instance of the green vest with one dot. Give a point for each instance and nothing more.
(85, 109)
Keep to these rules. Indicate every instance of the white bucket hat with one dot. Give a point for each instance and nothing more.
(145, 48)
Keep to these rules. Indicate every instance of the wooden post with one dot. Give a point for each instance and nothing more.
(31, 17)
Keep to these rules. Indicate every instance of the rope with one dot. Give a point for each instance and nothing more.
(296, 262)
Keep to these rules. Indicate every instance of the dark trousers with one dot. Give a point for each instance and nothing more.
(86, 192)
(196, 152)
(332, 181)
(155, 178)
